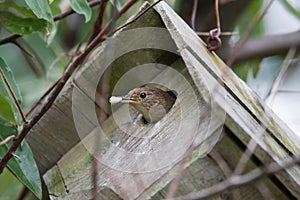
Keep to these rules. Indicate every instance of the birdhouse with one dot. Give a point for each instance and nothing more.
(87, 148)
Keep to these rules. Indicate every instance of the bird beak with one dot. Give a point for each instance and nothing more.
(125, 99)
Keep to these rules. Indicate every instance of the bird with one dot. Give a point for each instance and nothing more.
(152, 102)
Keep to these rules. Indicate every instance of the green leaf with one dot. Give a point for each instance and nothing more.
(82, 7)
(10, 187)
(21, 25)
(6, 111)
(55, 7)
(26, 12)
(243, 69)
(41, 9)
(6, 97)
(249, 13)
(23, 167)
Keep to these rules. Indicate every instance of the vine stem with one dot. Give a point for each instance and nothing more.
(13, 95)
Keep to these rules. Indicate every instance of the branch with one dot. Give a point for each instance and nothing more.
(98, 23)
(237, 180)
(13, 95)
(136, 17)
(7, 139)
(38, 102)
(268, 45)
(62, 81)
(233, 52)
(12, 38)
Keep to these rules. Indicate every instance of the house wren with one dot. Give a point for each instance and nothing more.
(153, 103)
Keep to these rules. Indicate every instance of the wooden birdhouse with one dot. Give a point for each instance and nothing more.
(81, 153)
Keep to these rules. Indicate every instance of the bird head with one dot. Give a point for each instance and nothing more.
(153, 103)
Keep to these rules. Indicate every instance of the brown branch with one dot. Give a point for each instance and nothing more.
(69, 12)
(23, 194)
(9, 39)
(13, 95)
(25, 51)
(98, 24)
(136, 17)
(268, 45)
(62, 81)
(38, 102)
(12, 38)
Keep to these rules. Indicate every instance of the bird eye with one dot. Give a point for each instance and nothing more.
(143, 95)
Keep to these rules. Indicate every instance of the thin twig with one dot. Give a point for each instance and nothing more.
(175, 183)
(237, 180)
(246, 34)
(246, 156)
(98, 24)
(283, 68)
(55, 61)
(69, 12)
(57, 89)
(222, 33)
(7, 139)
(38, 102)
(13, 95)
(223, 165)
(24, 192)
(217, 157)
(23, 49)
(251, 146)
(11, 38)
(85, 38)
(136, 17)
(194, 14)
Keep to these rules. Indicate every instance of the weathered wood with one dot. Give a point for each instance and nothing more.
(242, 105)
(138, 162)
